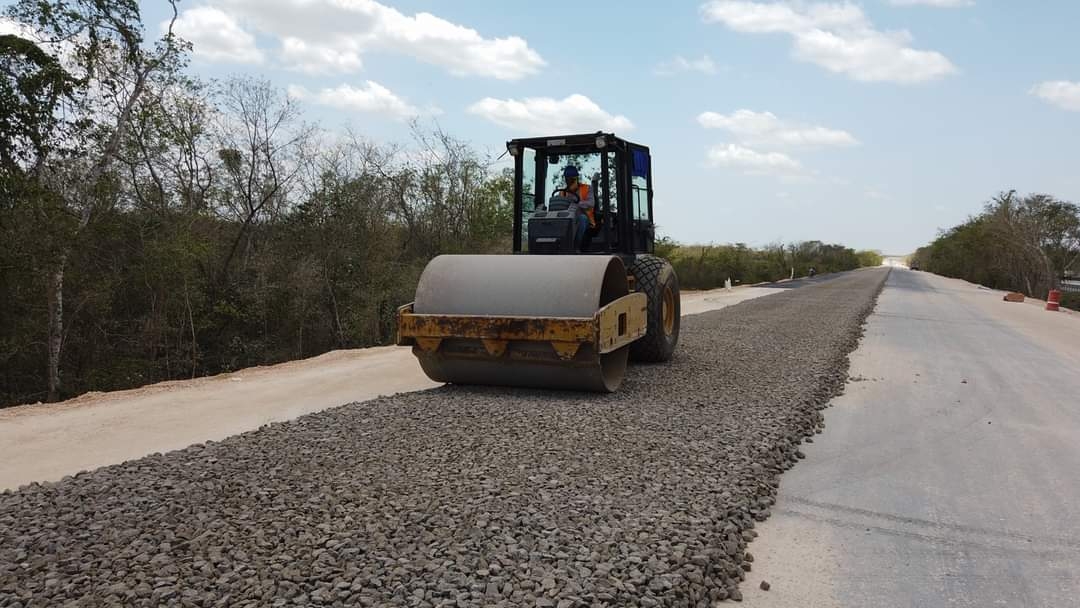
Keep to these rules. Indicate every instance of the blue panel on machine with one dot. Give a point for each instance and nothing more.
(641, 164)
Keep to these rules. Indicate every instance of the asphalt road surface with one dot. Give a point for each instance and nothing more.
(948, 474)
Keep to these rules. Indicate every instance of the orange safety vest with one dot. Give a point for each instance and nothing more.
(582, 194)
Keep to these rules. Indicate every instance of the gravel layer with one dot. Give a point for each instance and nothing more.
(465, 496)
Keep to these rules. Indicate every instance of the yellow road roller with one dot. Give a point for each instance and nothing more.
(582, 292)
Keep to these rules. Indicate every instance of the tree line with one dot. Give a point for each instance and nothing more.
(155, 226)
(158, 227)
(709, 266)
(1018, 243)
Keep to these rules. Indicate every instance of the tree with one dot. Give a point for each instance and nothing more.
(346, 232)
(32, 91)
(451, 202)
(869, 258)
(1018, 243)
(100, 73)
(262, 148)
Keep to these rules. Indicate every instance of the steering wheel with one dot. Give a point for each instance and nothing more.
(563, 189)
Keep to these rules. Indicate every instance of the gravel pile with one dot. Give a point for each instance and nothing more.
(464, 496)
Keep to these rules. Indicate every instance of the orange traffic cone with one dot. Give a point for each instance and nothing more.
(1053, 301)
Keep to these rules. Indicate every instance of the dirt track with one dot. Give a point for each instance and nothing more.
(464, 496)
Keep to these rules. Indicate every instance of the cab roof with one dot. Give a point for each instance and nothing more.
(577, 142)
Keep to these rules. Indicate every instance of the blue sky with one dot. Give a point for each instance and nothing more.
(872, 124)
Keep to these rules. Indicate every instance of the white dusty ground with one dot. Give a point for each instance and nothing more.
(46, 442)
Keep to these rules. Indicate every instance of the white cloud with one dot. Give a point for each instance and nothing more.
(1061, 93)
(544, 115)
(934, 3)
(372, 97)
(704, 65)
(62, 50)
(765, 129)
(15, 28)
(317, 58)
(324, 36)
(835, 36)
(216, 36)
(752, 162)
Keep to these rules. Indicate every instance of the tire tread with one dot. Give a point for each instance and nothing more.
(653, 347)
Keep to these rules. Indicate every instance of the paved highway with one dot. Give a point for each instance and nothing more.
(948, 473)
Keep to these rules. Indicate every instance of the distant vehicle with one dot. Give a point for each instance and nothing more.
(914, 266)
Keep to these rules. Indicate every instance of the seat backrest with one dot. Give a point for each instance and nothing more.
(561, 202)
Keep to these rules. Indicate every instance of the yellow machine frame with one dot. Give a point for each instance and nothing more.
(612, 327)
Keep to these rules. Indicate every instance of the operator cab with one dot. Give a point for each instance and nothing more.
(619, 174)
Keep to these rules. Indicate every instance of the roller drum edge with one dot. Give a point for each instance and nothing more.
(520, 285)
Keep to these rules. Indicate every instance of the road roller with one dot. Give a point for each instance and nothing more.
(581, 294)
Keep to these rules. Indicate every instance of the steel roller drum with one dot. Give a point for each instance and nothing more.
(521, 286)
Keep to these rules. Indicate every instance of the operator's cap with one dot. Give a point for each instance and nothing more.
(570, 171)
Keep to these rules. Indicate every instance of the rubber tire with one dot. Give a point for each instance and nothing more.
(652, 275)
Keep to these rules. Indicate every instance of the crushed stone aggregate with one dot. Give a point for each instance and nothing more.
(465, 496)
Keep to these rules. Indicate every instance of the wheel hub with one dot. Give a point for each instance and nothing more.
(668, 311)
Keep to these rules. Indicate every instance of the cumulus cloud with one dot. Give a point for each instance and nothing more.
(62, 50)
(758, 131)
(545, 115)
(372, 97)
(216, 36)
(752, 162)
(836, 36)
(679, 64)
(1061, 93)
(766, 129)
(300, 55)
(934, 3)
(331, 36)
(14, 28)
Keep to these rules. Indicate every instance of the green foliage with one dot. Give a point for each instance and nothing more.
(1019, 244)
(869, 258)
(707, 267)
(71, 86)
(327, 270)
(30, 100)
(665, 247)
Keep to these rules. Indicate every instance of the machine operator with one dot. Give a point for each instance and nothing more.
(586, 205)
